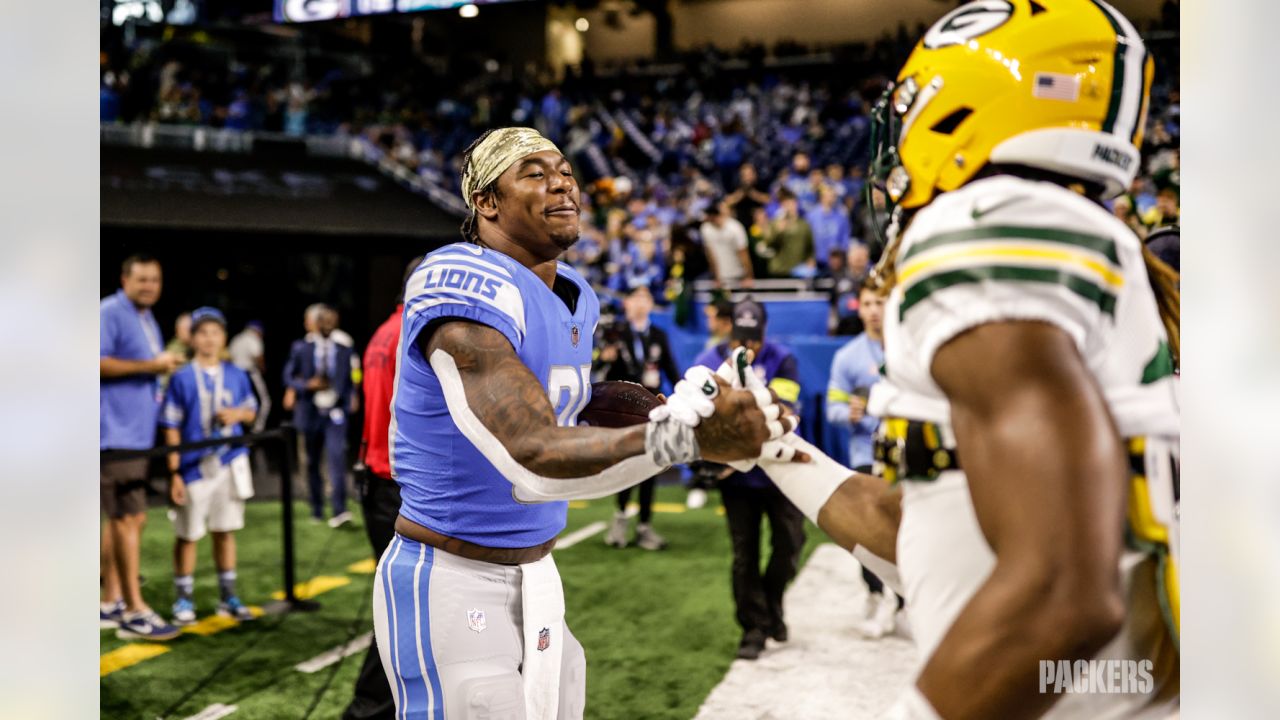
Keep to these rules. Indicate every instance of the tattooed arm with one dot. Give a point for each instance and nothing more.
(504, 397)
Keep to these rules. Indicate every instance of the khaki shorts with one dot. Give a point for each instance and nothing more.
(212, 506)
(123, 487)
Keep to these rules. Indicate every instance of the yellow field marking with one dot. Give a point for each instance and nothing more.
(659, 507)
(365, 567)
(217, 623)
(130, 654)
(315, 586)
(578, 504)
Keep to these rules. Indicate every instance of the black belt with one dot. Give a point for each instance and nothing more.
(912, 449)
(915, 450)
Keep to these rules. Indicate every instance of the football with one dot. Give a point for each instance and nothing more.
(618, 404)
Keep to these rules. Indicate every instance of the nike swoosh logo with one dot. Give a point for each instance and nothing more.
(979, 214)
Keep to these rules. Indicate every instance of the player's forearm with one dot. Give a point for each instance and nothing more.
(109, 367)
(572, 452)
(864, 511)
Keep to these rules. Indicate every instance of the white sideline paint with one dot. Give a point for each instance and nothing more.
(569, 540)
(826, 671)
(325, 659)
(213, 712)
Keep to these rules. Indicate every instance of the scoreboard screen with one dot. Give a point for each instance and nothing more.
(292, 11)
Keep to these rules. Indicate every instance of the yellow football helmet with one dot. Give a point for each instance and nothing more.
(1058, 85)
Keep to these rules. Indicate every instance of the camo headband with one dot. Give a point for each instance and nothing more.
(499, 151)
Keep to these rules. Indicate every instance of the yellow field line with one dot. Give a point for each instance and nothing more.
(217, 623)
(131, 654)
(315, 586)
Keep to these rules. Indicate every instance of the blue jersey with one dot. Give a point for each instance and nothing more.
(854, 369)
(191, 404)
(127, 405)
(446, 483)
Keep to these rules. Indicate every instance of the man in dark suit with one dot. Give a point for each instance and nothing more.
(634, 350)
(319, 372)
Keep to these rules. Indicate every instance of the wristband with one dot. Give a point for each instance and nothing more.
(807, 485)
(670, 442)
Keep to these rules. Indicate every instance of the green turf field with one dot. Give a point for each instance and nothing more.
(658, 628)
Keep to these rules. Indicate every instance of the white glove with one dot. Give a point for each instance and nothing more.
(738, 373)
(692, 400)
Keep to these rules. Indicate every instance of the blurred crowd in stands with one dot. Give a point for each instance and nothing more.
(727, 166)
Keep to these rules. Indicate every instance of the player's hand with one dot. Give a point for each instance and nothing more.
(737, 371)
(736, 429)
(177, 490)
(166, 362)
(229, 416)
(857, 409)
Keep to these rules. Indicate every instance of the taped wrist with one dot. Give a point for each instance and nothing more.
(808, 485)
(670, 442)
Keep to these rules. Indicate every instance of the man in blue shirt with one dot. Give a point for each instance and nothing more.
(208, 398)
(749, 497)
(855, 368)
(829, 222)
(319, 373)
(494, 367)
(130, 357)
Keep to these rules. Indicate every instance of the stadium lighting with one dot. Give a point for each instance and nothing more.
(582, 24)
(469, 10)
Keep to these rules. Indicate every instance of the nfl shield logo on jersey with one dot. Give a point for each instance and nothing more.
(475, 620)
(544, 638)
(574, 334)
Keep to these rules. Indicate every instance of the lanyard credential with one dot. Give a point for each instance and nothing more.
(153, 338)
(210, 405)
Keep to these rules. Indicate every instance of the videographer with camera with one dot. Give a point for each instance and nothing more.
(855, 368)
(633, 350)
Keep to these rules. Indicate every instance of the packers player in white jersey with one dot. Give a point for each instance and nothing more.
(1030, 395)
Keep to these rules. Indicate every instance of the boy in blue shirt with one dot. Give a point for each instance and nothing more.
(208, 398)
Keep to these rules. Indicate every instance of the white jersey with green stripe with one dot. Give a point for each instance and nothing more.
(1006, 248)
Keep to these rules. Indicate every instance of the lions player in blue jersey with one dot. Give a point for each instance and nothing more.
(494, 366)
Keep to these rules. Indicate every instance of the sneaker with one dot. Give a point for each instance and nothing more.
(696, 498)
(233, 608)
(617, 535)
(340, 519)
(649, 539)
(145, 625)
(752, 645)
(109, 614)
(883, 617)
(184, 612)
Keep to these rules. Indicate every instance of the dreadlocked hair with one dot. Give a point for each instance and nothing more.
(470, 232)
(1165, 284)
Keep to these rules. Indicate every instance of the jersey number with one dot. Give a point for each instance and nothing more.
(569, 389)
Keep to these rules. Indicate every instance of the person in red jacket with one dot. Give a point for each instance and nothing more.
(379, 494)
